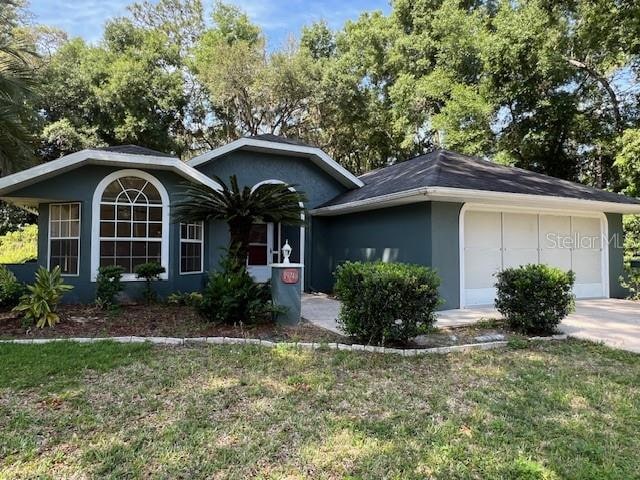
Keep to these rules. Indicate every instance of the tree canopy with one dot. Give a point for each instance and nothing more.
(551, 86)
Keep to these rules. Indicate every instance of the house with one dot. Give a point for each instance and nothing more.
(465, 217)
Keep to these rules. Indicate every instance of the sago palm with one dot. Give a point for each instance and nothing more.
(240, 208)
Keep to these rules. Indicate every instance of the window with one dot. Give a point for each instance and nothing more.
(64, 237)
(131, 224)
(191, 241)
(258, 244)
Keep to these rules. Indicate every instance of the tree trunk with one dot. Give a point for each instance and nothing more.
(602, 80)
(240, 235)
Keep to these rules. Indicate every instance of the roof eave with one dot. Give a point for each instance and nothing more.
(460, 195)
(317, 155)
(43, 171)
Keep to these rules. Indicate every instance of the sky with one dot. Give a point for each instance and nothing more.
(278, 18)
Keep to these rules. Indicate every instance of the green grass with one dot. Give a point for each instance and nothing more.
(551, 410)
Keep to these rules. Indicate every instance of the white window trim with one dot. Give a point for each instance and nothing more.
(95, 222)
(604, 229)
(77, 274)
(188, 240)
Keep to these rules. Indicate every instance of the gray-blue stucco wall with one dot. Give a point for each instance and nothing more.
(251, 168)
(421, 233)
(79, 186)
(616, 256)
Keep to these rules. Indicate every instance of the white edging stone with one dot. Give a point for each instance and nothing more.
(406, 352)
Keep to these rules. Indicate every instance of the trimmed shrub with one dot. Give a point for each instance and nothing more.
(232, 296)
(534, 298)
(40, 304)
(10, 288)
(108, 285)
(150, 272)
(386, 302)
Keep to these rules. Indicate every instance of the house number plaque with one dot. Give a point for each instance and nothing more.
(290, 276)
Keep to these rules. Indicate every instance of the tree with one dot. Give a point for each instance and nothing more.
(628, 161)
(182, 21)
(240, 208)
(62, 138)
(126, 90)
(16, 88)
(318, 40)
(249, 90)
(628, 165)
(13, 218)
(350, 108)
(543, 85)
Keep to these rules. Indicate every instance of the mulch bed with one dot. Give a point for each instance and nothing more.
(161, 320)
(154, 321)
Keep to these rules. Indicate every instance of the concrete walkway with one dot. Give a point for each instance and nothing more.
(322, 311)
(614, 322)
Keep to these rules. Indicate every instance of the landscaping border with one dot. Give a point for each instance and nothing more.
(174, 341)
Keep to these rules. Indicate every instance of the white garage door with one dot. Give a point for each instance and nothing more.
(496, 240)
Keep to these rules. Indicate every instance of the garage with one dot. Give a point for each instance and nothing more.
(491, 240)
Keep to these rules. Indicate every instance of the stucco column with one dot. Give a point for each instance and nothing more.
(286, 291)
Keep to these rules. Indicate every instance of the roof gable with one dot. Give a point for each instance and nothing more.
(70, 162)
(283, 146)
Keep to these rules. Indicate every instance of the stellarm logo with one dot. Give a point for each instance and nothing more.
(578, 241)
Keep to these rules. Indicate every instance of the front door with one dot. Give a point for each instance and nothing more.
(260, 251)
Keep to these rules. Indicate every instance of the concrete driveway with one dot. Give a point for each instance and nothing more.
(614, 322)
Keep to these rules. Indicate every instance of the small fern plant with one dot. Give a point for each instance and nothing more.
(40, 303)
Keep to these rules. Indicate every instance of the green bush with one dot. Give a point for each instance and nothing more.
(10, 288)
(631, 281)
(534, 298)
(20, 246)
(192, 299)
(232, 296)
(151, 272)
(40, 304)
(108, 285)
(386, 302)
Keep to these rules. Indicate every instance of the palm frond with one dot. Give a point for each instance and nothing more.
(16, 81)
(267, 203)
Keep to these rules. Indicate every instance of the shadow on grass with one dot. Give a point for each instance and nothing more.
(57, 365)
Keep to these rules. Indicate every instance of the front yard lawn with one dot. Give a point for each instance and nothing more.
(551, 410)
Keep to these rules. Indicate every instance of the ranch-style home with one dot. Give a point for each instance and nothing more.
(465, 217)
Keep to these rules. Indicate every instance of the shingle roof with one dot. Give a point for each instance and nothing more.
(443, 168)
(268, 137)
(135, 150)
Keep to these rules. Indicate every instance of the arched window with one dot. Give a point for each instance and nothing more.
(132, 225)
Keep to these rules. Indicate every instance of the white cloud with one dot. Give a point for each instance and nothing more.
(278, 18)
